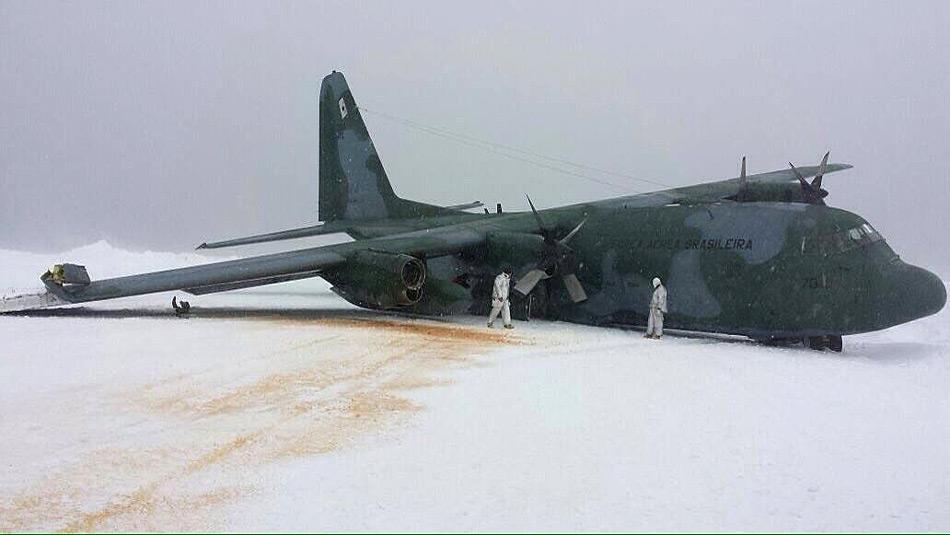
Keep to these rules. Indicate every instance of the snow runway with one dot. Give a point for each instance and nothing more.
(286, 409)
(156, 420)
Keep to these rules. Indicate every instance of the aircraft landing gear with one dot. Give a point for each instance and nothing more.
(835, 344)
(818, 343)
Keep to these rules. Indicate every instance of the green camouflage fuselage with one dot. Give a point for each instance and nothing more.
(761, 269)
(752, 255)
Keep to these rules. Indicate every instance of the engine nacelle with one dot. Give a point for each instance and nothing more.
(515, 248)
(376, 279)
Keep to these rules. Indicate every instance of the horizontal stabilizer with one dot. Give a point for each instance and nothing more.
(303, 232)
(466, 206)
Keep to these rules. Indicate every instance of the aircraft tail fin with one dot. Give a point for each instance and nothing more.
(353, 183)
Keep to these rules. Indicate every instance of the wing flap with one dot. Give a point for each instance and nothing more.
(251, 283)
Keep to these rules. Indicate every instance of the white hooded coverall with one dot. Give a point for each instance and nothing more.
(657, 309)
(499, 299)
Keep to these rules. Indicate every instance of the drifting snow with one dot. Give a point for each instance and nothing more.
(284, 408)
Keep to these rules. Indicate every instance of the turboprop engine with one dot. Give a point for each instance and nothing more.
(377, 279)
(805, 192)
(548, 256)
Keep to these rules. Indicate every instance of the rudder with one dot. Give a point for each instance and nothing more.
(353, 183)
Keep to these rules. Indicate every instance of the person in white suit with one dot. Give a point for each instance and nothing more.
(657, 309)
(499, 299)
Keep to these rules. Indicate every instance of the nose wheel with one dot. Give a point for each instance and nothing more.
(835, 344)
(818, 343)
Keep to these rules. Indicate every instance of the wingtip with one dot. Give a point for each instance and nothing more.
(202, 246)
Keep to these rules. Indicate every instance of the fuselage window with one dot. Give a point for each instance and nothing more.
(870, 234)
(840, 242)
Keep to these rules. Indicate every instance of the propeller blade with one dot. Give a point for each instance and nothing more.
(565, 239)
(530, 280)
(537, 216)
(574, 288)
(816, 182)
(801, 179)
(809, 193)
(742, 194)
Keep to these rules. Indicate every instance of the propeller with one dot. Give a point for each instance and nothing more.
(812, 193)
(743, 193)
(556, 258)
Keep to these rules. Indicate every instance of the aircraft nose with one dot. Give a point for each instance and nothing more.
(935, 292)
(914, 293)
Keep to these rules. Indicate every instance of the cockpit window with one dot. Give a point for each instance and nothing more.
(842, 241)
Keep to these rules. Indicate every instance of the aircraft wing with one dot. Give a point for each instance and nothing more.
(787, 175)
(465, 206)
(245, 272)
(722, 189)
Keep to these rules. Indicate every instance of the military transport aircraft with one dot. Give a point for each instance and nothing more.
(758, 255)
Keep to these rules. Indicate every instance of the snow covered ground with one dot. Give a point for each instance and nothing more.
(284, 408)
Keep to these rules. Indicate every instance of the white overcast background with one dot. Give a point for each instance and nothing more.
(159, 125)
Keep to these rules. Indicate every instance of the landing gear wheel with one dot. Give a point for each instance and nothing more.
(816, 342)
(835, 344)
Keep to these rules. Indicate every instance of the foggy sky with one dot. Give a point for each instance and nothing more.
(161, 125)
